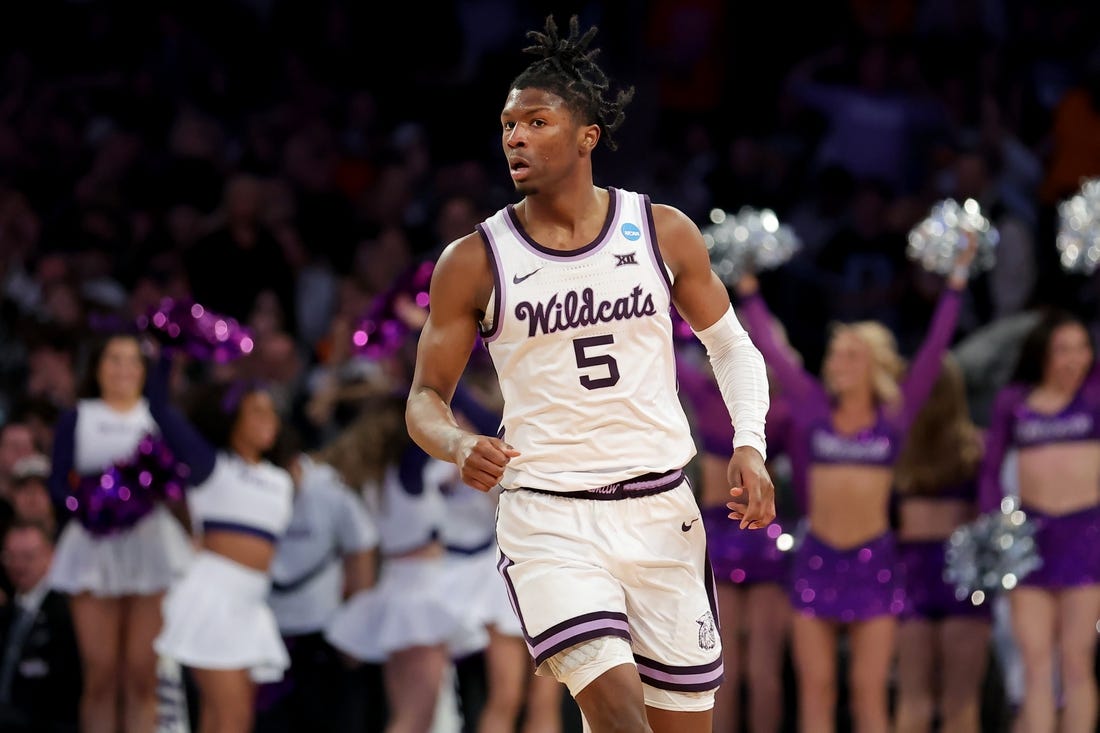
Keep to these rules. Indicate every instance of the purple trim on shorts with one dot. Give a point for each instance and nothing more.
(699, 678)
(712, 590)
(651, 229)
(502, 567)
(498, 284)
(213, 524)
(647, 484)
(578, 629)
(613, 209)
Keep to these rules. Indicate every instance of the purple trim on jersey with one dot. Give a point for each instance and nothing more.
(645, 485)
(576, 630)
(219, 526)
(498, 284)
(651, 231)
(698, 678)
(613, 209)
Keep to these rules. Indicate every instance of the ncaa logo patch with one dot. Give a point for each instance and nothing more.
(631, 231)
(708, 635)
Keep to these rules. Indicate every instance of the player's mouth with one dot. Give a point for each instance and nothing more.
(519, 168)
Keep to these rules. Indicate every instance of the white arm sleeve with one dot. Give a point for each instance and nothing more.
(739, 370)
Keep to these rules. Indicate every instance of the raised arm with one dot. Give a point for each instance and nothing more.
(926, 365)
(64, 450)
(990, 490)
(186, 442)
(738, 368)
(461, 285)
(793, 379)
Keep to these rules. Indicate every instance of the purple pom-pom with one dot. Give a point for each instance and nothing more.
(187, 326)
(126, 492)
(382, 331)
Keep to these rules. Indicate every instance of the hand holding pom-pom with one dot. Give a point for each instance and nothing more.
(992, 553)
(184, 325)
(117, 499)
(749, 241)
(936, 242)
(1078, 239)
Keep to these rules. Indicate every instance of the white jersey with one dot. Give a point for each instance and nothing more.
(104, 436)
(582, 344)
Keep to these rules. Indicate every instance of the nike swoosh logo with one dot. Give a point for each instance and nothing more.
(516, 279)
(687, 525)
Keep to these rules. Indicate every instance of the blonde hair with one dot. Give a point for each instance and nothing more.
(887, 366)
(943, 447)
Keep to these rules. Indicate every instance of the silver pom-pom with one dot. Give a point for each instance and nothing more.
(992, 553)
(1079, 229)
(935, 243)
(751, 240)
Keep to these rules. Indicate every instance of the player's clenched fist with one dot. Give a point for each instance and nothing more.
(482, 459)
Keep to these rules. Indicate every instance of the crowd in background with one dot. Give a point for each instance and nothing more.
(284, 162)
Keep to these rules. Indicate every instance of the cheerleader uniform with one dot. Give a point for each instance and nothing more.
(140, 560)
(852, 583)
(1068, 544)
(217, 615)
(410, 605)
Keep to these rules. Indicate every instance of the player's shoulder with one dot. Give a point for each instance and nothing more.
(671, 221)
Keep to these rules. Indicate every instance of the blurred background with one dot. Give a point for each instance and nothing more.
(283, 161)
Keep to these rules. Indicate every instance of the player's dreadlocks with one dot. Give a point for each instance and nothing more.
(568, 68)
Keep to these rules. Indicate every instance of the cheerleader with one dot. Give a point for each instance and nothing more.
(850, 429)
(406, 622)
(750, 570)
(469, 536)
(217, 620)
(1049, 417)
(115, 577)
(943, 643)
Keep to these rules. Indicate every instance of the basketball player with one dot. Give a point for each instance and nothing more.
(601, 544)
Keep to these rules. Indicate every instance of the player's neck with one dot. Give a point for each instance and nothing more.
(570, 208)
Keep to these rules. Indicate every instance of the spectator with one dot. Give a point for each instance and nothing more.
(31, 494)
(16, 442)
(39, 663)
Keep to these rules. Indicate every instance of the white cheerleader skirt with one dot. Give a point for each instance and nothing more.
(144, 560)
(408, 607)
(217, 617)
(476, 580)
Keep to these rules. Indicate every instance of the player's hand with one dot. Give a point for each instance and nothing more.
(481, 460)
(751, 488)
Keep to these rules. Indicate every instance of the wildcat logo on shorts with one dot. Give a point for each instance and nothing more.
(708, 635)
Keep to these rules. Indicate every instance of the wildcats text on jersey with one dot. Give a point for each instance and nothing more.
(576, 310)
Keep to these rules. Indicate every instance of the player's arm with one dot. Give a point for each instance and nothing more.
(460, 287)
(703, 301)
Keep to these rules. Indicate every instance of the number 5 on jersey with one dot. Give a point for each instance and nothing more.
(585, 360)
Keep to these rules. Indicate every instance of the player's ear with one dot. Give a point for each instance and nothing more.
(589, 136)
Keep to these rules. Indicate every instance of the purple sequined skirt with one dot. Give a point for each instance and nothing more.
(854, 584)
(1069, 546)
(927, 595)
(744, 556)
